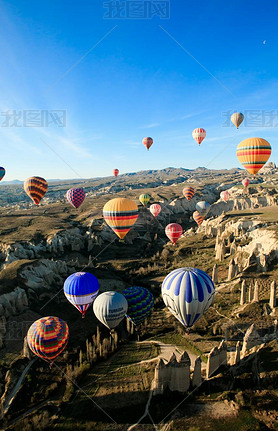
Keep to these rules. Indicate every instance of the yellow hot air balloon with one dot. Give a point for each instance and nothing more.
(237, 118)
(120, 214)
(253, 153)
(144, 199)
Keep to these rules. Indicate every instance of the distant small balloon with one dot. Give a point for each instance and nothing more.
(237, 118)
(225, 195)
(173, 231)
(110, 308)
(144, 199)
(2, 173)
(199, 135)
(198, 218)
(264, 42)
(203, 208)
(76, 197)
(148, 142)
(245, 182)
(155, 209)
(35, 188)
(116, 172)
(188, 193)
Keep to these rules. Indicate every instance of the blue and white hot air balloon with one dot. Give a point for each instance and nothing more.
(188, 293)
(203, 208)
(81, 289)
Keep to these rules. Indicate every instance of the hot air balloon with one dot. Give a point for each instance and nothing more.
(76, 197)
(203, 208)
(140, 303)
(120, 214)
(199, 135)
(237, 118)
(225, 195)
(35, 188)
(110, 308)
(116, 172)
(173, 231)
(188, 193)
(245, 182)
(144, 199)
(253, 153)
(48, 337)
(148, 142)
(198, 218)
(188, 293)
(81, 289)
(155, 209)
(2, 173)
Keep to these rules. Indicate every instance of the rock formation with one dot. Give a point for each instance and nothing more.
(272, 299)
(243, 293)
(174, 375)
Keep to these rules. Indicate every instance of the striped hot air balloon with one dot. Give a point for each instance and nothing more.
(198, 218)
(225, 195)
(147, 142)
(199, 135)
(116, 172)
(237, 118)
(155, 209)
(253, 153)
(140, 303)
(120, 214)
(35, 188)
(188, 193)
(110, 308)
(144, 199)
(48, 337)
(2, 173)
(76, 197)
(188, 293)
(81, 289)
(173, 231)
(245, 182)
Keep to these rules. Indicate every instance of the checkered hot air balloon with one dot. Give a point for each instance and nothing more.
(48, 337)
(147, 142)
(144, 199)
(237, 118)
(253, 153)
(116, 172)
(110, 308)
(155, 209)
(81, 289)
(225, 195)
(188, 193)
(120, 214)
(173, 231)
(76, 197)
(199, 135)
(2, 173)
(198, 218)
(35, 188)
(188, 293)
(140, 303)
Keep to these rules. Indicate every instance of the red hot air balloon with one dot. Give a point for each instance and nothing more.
(198, 218)
(245, 182)
(148, 142)
(188, 193)
(173, 231)
(116, 172)
(155, 209)
(225, 195)
(76, 197)
(199, 135)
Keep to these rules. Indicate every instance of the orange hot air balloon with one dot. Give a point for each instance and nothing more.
(148, 142)
(198, 218)
(116, 172)
(253, 153)
(225, 195)
(245, 182)
(188, 193)
(237, 118)
(155, 209)
(199, 135)
(120, 214)
(35, 188)
(173, 231)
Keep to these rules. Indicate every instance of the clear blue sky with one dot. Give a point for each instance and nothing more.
(136, 82)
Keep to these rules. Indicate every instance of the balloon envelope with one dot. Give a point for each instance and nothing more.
(225, 195)
(188, 293)
(110, 308)
(155, 209)
(148, 142)
(237, 118)
(203, 208)
(48, 337)
(120, 214)
(76, 197)
(2, 173)
(81, 289)
(198, 218)
(35, 188)
(140, 303)
(245, 182)
(116, 172)
(188, 193)
(253, 153)
(173, 231)
(144, 199)
(199, 135)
